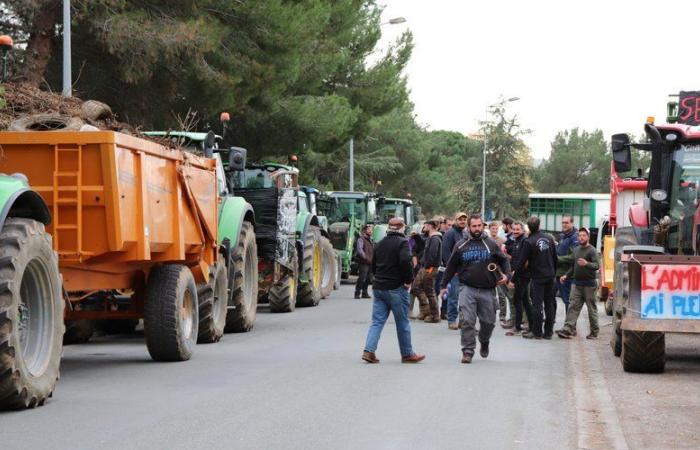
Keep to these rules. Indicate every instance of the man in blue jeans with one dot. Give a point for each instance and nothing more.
(452, 236)
(393, 273)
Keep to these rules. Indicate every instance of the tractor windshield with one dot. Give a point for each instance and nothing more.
(389, 210)
(684, 195)
(345, 208)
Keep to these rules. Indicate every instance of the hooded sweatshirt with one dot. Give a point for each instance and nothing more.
(470, 260)
(391, 264)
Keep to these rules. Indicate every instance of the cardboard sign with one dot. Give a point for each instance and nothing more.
(689, 108)
(670, 292)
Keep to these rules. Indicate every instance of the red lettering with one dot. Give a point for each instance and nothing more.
(665, 278)
(686, 109)
(697, 110)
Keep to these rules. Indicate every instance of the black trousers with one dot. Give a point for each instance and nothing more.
(363, 279)
(543, 294)
(522, 302)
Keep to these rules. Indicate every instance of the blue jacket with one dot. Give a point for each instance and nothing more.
(567, 242)
(453, 235)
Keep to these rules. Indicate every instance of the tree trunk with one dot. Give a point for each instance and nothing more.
(41, 39)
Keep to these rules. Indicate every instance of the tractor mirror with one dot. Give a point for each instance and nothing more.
(237, 158)
(622, 155)
(209, 144)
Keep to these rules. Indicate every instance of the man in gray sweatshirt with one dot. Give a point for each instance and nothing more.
(584, 274)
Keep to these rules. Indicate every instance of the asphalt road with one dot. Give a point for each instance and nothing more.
(297, 381)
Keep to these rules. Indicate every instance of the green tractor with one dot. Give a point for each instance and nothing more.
(388, 208)
(347, 213)
(290, 240)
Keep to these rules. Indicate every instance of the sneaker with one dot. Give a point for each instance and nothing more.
(369, 357)
(484, 350)
(592, 336)
(452, 326)
(531, 335)
(507, 324)
(414, 358)
(564, 334)
(514, 332)
(466, 358)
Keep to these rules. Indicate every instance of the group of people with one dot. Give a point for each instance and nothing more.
(476, 274)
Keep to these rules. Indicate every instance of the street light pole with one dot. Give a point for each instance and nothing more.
(67, 83)
(483, 165)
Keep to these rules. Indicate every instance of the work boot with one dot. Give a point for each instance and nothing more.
(514, 332)
(564, 334)
(466, 358)
(366, 295)
(432, 319)
(369, 357)
(452, 326)
(547, 336)
(414, 358)
(592, 336)
(507, 324)
(357, 295)
(531, 335)
(484, 350)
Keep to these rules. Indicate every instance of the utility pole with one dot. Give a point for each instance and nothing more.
(351, 166)
(67, 82)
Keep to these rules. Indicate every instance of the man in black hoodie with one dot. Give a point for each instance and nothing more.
(538, 256)
(481, 266)
(393, 273)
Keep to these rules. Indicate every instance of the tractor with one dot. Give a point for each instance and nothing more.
(388, 208)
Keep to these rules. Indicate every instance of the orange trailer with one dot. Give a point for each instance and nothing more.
(129, 219)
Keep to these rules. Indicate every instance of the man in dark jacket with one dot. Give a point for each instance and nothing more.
(393, 273)
(539, 257)
(480, 266)
(568, 240)
(520, 279)
(453, 235)
(430, 263)
(364, 251)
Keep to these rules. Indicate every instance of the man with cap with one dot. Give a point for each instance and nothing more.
(430, 263)
(393, 273)
(480, 266)
(583, 272)
(453, 235)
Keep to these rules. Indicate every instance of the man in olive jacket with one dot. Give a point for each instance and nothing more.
(583, 272)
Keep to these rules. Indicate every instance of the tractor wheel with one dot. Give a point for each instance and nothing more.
(283, 294)
(329, 270)
(78, 331)
(31, 315)
(212, 297)
(312, 268)
(643, 351)
(244, 283)
(171, 313)
(621, 288)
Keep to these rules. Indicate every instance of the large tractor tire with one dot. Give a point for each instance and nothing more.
(213, 302)
(171, 313)
(244, 285)
(623, 236)
(643, 351)
(31, 315)
(329, 269)
(312, 268)
(283, 294)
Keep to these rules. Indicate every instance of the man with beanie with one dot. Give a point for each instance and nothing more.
(583, 272)
(453, 235)
(393, 273)
(539, 257)
(480, 266)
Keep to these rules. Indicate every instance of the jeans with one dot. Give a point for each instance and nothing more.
(452, 300)
(394, 301)
(565, 292)
(363, 279)
(476, 303)
(542, 292)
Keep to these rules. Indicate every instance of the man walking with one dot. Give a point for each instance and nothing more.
(520, 279)
(480, 266)
(393, 273)
(430, 262)
(539, 257)
(416, 244)
(364, 252)
(453, 235)
(583, 272)
(568, 239)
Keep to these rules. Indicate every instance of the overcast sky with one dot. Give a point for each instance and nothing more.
(588, 64)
